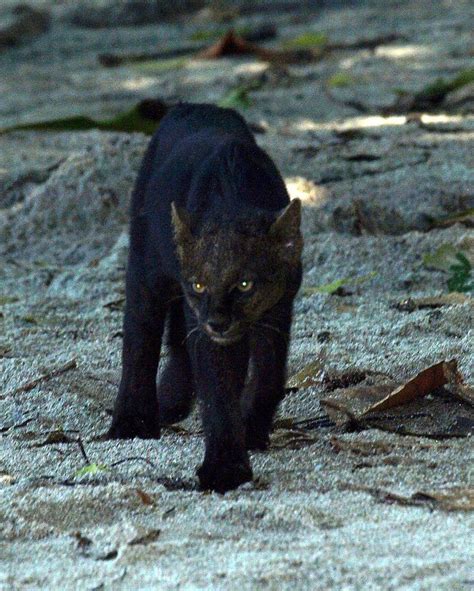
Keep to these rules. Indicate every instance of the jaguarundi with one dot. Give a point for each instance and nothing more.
(215, 258)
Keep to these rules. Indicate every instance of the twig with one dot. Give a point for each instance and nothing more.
(72, 364)
(133, 459)
(82, 450)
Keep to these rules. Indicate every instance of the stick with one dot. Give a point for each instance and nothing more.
(72, 364)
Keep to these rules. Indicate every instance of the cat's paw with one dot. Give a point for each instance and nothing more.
(222, 477)
(133, 426)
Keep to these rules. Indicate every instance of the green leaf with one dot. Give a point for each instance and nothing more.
(90, 469)
(334, 286)
(143, 117)
(340, 79)
(441, 259)
(461, 275)
(459, 217)
(213, 34)
(6, 299)
(161, 65)
(436, 91)
(307, 41)
(238, 98)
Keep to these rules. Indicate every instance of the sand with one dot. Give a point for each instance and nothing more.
(321, 514)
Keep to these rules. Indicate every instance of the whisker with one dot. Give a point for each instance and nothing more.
(190, 333)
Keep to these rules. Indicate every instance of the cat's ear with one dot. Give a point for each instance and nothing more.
(181, 221)
(286, 228)
(286, 231)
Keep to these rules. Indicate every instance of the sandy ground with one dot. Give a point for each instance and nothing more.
(323, 512)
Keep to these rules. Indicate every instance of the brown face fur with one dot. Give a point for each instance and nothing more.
(220, 258)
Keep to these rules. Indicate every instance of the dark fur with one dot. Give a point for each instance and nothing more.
(207, 208)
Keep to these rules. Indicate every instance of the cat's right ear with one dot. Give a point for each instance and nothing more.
(181, 221)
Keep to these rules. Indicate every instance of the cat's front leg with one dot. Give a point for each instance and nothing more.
(219, 376)
(265, 387)
(136, 407)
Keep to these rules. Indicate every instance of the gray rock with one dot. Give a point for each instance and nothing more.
(21, 24)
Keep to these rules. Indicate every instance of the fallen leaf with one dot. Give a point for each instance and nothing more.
(310, 375)
(308, 40)
(432, 95)
(335, 286)
(147, 538)
(233, 44)
(144, 497)
(340, 80)
(442, 258)
(454, 499)
(291, 439)
(115, 304)
(56, 436)
(237, 98)
(4, 350)
(445, 414)
(450, 299)
(463, 217)
(363, 448)
(426, 381)
(90, 469)
(262, 33)
(144, 118)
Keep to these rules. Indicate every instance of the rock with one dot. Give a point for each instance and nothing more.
(81, 207)
(125, 13)
(22, 23)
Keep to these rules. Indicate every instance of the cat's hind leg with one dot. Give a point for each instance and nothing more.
(175, 384)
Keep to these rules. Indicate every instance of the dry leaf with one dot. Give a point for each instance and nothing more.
(310, 375)
(291, 438)
(409, 412)
(147, 538)
(233, 44)
(425, 382)
(449, 299)
(452, 499)
(145, 498)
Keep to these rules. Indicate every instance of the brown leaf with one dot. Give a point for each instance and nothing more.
(291, 439)
(452, 499)
(147, 538)
(310, 375)
(426, 381)
(233, 44)
(145, 498)
(445, 414)
(449, 299)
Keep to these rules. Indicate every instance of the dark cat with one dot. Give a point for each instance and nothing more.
(215, 252)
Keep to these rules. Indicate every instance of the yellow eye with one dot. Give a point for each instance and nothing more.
(199, 287)
(245, 286)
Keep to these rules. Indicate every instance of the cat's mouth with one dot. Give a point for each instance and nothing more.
(223, 338)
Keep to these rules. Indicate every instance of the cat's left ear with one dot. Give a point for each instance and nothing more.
(181, 222)
(286, 228)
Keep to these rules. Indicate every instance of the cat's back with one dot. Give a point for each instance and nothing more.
(187, 119)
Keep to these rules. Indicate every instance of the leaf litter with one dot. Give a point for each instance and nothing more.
(435, 403)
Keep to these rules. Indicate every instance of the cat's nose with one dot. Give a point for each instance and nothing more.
(218, 325)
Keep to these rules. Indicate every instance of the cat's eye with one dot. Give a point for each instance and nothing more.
(245, 286)
(199, 287)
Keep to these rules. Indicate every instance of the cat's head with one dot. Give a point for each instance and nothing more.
(235, 271)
